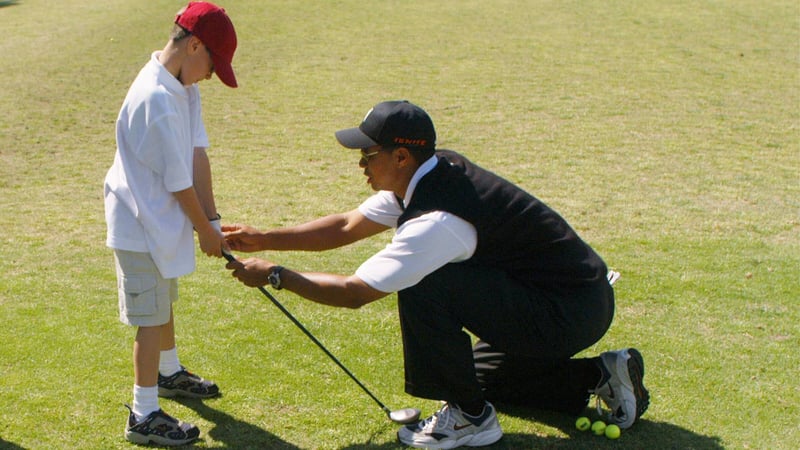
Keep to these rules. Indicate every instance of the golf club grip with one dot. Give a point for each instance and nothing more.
(299, 325)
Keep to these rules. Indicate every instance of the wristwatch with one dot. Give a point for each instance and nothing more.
(275, 278)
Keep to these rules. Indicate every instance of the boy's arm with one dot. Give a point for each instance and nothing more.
(211, 242)
(201, 168)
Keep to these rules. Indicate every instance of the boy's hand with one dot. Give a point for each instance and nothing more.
(212, 242)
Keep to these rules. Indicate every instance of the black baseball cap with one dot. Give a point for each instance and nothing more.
(392, 123)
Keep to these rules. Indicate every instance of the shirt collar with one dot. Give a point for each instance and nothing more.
(173, 84)
(422, 170)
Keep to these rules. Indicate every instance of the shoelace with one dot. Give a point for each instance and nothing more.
(598, 406)
(610, 414)
(429, 424)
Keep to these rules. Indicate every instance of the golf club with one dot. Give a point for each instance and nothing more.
(402, 416)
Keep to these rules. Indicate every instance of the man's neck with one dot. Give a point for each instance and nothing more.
(417, 172)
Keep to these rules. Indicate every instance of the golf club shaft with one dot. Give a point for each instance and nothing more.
(286, 312)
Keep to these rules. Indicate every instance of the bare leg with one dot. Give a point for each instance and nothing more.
(147, 351)
(168, 333)
(146, 354)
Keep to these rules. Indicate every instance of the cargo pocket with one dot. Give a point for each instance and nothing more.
(138, 295)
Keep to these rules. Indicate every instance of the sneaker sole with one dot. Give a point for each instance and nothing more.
(138, 438)
(171, 393)
(636, 372)
(478, 440)
(486, 437)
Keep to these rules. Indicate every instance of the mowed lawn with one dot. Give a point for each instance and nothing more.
(666, 132)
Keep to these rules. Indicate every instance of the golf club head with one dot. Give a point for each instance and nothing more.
(405, 415)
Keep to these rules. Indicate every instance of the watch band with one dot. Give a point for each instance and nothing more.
(275, 278)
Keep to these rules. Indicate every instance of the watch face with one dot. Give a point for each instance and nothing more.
(275, 277)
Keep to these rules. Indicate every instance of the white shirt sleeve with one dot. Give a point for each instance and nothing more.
(382, 208)
(420, 246)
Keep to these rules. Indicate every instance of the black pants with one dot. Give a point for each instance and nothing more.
(527, 338)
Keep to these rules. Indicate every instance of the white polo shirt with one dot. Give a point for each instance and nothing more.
(158, 127)
(420, 246)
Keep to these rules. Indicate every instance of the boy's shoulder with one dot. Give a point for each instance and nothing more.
(153, 89)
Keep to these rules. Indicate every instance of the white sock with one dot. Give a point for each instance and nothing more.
(145, 401)
(168, 363)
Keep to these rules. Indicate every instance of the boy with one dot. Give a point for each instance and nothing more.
(157, 190)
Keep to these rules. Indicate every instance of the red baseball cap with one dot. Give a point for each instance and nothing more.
(212, 25)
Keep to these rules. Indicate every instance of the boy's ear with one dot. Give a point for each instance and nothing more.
(194, 44)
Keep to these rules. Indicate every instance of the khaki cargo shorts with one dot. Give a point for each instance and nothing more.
(145, 298)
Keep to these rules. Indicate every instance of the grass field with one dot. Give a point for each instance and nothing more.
(666, 132)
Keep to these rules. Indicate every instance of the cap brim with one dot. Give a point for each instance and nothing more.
(354, 138)
(224, 71)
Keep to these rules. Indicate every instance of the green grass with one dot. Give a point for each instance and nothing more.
(667, 133)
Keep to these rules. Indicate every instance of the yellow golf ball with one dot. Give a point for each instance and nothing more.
(583, 423)
(599, 427)
(612, 431)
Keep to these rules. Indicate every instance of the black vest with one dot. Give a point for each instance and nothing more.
(517, 233)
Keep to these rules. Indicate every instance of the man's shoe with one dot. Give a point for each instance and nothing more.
(450, 428)
(186, 384)
(159, 428)
(621, 387)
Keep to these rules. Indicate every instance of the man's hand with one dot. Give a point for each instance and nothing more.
(252, 272)
(242, 238)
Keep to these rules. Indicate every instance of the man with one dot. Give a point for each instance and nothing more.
(471, 252)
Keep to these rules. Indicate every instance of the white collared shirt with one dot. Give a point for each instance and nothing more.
(420, 246)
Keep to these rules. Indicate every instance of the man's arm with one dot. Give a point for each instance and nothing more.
(325, 288)
(424, 245)
(321, 234)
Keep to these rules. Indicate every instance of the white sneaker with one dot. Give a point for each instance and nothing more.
(450, 428)
(621, 386)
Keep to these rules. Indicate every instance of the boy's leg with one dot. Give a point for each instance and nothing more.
(145, 301)
(146, 352)
(174, 380)
(145, 371)
(167, 341)
(168, 363)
